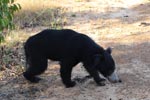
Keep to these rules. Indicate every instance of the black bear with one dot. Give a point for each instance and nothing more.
(69, 48)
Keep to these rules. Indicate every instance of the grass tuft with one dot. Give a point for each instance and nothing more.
(40, 13)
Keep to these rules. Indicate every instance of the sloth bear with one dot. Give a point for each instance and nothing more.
(69, 48)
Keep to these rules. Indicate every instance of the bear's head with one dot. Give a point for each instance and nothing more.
(105, 64)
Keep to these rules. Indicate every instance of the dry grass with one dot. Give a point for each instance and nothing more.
(12, 54)
(47, 13)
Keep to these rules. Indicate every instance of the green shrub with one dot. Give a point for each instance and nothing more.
(7, 10)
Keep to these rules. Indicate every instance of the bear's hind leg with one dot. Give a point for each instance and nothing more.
(33, 79)
(36, 67)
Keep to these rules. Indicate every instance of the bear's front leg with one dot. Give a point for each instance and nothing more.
(100, 81)
(94, 73)
(65, 73)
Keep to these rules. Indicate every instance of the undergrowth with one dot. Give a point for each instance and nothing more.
(35, 14)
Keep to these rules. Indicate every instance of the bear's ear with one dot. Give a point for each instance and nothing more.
(109, 50)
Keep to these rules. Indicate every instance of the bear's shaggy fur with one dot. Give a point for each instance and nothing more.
(69, 48)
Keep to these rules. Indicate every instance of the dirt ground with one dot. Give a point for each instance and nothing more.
(123, 25)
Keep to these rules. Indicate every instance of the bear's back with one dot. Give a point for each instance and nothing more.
(61, 43)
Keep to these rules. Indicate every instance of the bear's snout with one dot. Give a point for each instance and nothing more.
(113, 78)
